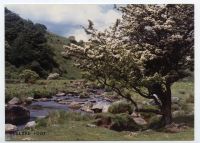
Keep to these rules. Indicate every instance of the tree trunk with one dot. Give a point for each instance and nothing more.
(165, 98)
(166, 107)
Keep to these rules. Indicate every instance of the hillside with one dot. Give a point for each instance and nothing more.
(56, 43)
(30, 45)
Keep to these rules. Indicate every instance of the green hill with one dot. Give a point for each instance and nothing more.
(56, 43)
(30, 45)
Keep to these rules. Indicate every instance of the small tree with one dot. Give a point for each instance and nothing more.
(29, 76)
(144, 53)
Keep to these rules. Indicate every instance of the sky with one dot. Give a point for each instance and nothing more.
(66, 19)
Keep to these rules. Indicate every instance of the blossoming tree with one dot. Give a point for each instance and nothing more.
(142, 54)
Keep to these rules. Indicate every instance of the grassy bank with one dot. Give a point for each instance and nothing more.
(73, 126)
(45, 88)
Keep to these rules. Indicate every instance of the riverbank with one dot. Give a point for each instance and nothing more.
(78, 127)
(65, 125)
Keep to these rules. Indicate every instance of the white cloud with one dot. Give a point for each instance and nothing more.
(68, 14)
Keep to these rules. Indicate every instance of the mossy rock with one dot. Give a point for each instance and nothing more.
(118, 122)
(120, 107)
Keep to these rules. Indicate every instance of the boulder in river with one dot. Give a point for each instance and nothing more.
(16, 114)
(29, 100)
(9, 128)
(74, 105)
(87, 107)
(84, 95)
(30, 124)
(65, 101)
(105, 108)
(42, 99)
(14, 101)
(100, 107)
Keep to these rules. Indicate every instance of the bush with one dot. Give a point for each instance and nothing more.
(42, 93)
(154, 122)
(148, 115)
(41, 123)
(29, 76)
(118, 122)
(120, 107)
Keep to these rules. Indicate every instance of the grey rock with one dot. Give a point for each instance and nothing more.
(53, 76)
(91, 125)
(42, 99)
(60, 94)
(100, 106)
(65, 101)
(175, 100)
(105, 108)
(87, 107)
(30, 124)
(140, 121)
(14, 101)
(9, 128)
(17, 114)
(74, 105)
(134, 114)
(29, 100)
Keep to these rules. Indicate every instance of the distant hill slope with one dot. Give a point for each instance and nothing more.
(29, 45)
(56, 43)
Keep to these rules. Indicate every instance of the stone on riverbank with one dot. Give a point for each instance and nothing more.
(28, 100)
(9, 128)
(60, 94)
(100, 107)
(74, 105)
(30, 124)
(14, 101)
(87, 107)
(53, 76)
(16, 114)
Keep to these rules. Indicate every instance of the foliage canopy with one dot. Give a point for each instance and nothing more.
(145, 52)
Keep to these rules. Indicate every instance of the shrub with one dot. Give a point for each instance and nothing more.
(118, 122)
(120, 107)
(154, 122)
(44, 93)
(148, 115)
(29, 76)
(41, 123)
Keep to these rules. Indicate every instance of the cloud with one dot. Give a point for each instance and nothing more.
(75, 15)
